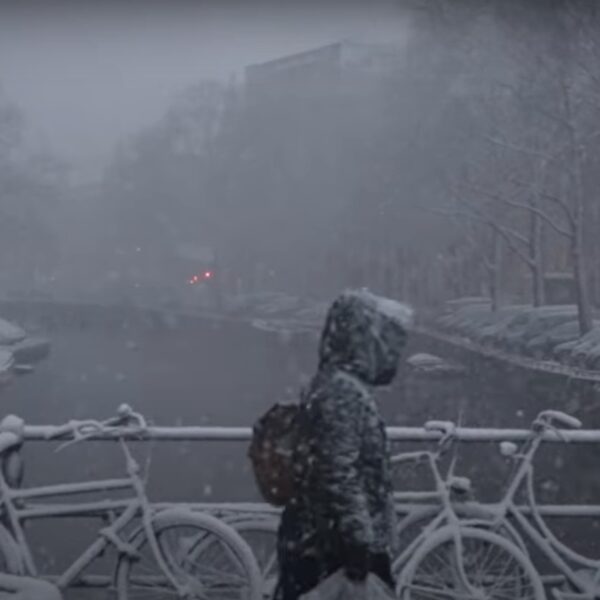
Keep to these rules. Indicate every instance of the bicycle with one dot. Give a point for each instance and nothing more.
(451, 557)
(258, 528)
(164, 554)
(582, 574)
(260, 533)
(417, 508)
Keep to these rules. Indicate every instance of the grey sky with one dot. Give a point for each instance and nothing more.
(89, 74)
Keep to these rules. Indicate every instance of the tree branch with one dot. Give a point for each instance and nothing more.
(506, 236)
(517, 148)
(568, 233)
(552, 198)
(514, 234)
(535, 106)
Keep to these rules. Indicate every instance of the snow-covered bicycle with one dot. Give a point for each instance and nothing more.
(260, 533)
(460, 553)
(582, 574)
(159, 551)
(472, 551)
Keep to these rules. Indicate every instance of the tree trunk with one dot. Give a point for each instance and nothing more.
(494, 270)
(584, 309)
(536, 256)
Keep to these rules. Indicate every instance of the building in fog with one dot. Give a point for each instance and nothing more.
(321, 66)
(309, 120)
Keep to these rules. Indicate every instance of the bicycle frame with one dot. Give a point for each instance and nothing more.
(538, 532)
(446, 517)
(129, 509)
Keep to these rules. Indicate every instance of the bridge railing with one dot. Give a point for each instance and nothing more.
(404, 501)
(243, 434)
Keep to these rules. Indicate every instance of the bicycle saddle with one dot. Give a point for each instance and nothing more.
(460, 484)
(11, 433)
(8, 440)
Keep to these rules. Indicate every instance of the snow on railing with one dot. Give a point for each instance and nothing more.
(243, 434)
(525, 362)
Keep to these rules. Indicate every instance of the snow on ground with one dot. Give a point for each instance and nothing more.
(545, 333)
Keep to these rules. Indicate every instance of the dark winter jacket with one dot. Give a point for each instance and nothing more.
(344, 491)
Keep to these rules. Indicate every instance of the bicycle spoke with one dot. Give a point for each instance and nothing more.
(487, 569)
(425, 593)
(201, 566)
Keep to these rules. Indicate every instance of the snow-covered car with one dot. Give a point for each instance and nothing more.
(531, 323)
(490, 334)
(19, 351)
(543, 345)
(585, 350)
(562, 352)
(576, 352)
(467, 320)
(10, 333)
(451, 306)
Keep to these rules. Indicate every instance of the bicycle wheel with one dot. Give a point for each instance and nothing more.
(261, 535)
(228, 572)
(494, 567)
(411, 526)
(10, 555)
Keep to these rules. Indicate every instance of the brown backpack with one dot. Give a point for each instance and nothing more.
(274, 437)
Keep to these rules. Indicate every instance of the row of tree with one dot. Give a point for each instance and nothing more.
(469, 164)
(527, 184)
(31, 187)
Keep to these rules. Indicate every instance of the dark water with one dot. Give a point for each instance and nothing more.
(199, 374)
(203, 374)
(497, 395)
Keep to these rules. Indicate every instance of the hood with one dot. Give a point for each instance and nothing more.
(364, 335)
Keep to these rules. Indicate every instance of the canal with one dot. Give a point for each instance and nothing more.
(200, 372)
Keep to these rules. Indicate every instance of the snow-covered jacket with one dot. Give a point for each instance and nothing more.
(343, 479)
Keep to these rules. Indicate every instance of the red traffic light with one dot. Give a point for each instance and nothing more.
(206, 275)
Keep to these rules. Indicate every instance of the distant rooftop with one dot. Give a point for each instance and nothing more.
(331, 57)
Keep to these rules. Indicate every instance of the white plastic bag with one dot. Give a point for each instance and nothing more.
(339, 587)
(17, 587)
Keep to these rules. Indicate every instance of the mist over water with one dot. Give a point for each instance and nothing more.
(185, 187)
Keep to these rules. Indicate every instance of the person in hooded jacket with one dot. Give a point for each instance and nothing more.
(341, 515)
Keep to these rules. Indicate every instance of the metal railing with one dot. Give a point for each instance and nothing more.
(396, 434)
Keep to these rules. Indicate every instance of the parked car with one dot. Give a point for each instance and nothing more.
(19, 351)
(490, 334)
(532, 323)
(542, 346)
(576, 352)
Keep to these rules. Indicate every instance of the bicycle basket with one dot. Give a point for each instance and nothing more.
(273, 439)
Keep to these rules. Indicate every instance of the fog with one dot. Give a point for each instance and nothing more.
(186, 186)
(89, 74)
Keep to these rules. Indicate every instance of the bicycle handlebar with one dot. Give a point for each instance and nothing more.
(546, 417)
(445, 427)
(126, 418)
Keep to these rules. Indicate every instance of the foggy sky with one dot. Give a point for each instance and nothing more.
(89, 74)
